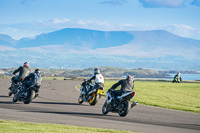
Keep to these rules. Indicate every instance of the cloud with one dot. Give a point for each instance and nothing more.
(59, 21)
(114, 2)
(27, 1)
(162, 3)
(196, 2)
(183, 30)
(6, 48)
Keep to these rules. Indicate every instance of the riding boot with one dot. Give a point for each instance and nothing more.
(114, 101)
(36, 95)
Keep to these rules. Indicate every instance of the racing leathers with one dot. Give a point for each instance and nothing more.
(99, 82)
(126, 85)
(23, 72)
(177, 77)
(33, 79)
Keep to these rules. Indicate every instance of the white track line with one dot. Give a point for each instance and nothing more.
(76, 87)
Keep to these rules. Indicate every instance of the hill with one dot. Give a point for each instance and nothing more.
(78, 37)
(6, 40)
(110, 72)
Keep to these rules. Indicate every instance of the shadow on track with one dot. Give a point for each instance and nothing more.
(6, 102)
(4, 96)
(69, 113)
(61, 103)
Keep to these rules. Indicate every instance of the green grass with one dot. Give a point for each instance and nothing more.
(22, 127)
(182, 96)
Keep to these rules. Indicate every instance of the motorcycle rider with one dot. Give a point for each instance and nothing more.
(98, 79)
(23, 72)
(33, 79)
(126, 85)
(178, 77)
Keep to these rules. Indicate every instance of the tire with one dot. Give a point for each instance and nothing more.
(105, 109)
(30, 97)
(10, 93)
(80, 99)
(95, 98)
(125, 108)
(14, 100)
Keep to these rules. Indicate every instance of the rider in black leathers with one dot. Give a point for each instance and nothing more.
(23, 72)
(126, 85)
(33, 79)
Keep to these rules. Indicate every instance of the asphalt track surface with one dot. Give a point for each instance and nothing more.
(57, 103)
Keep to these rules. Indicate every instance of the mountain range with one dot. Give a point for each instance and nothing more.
(84, 48)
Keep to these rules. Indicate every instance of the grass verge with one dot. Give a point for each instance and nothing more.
(22, 127)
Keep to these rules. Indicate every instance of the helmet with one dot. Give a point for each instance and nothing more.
(96, 71)
(129, 77)
(37, 71)
(26, 64)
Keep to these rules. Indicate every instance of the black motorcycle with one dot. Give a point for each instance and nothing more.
(123, 103)
(88, 94)
(14, 87)
(26, 94)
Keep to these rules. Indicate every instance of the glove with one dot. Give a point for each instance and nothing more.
(109, 90)
(87, 80)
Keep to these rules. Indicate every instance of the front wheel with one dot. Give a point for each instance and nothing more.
(105, 108)
(14, 99)
(30, 97)
(80, 99)
(94, 98)
(124, 108)
(10, 93)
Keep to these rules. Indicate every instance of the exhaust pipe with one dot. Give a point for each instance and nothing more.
(133, 104)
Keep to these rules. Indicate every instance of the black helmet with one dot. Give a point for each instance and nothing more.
(26, 64)
(37, 71)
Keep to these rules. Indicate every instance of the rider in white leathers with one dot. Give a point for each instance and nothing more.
(98, 79)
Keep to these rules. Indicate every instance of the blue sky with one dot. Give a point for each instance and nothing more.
(27, 18)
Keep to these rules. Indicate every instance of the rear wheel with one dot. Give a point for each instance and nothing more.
(94, 99)
(105, 109)
(30, 97)
(124, 108)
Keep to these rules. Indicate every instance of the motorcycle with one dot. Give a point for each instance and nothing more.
(177, 80)
(14, 87)
(123, 103)
(92, 95)
(26, 94)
